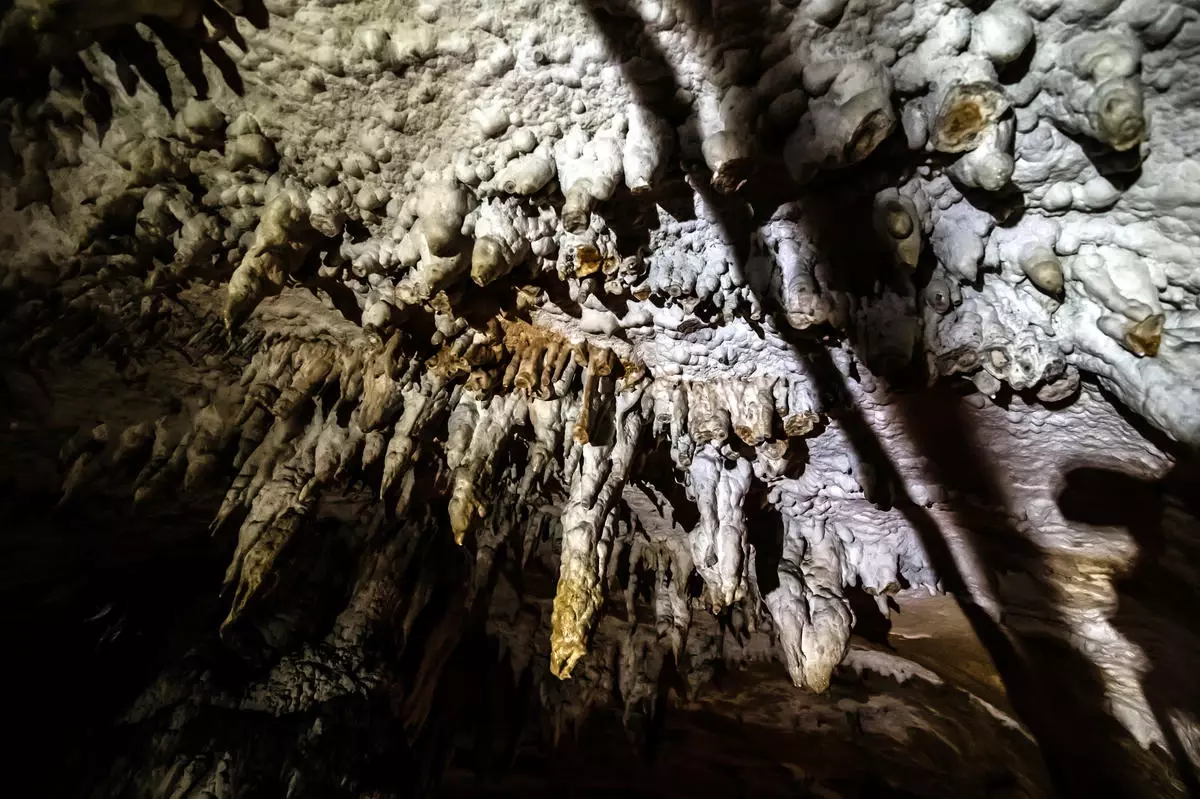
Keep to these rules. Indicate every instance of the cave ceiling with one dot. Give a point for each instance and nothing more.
(576, 397)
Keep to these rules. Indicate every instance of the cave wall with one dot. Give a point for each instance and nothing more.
(800, 384)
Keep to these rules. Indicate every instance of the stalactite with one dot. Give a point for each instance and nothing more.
(658, 299)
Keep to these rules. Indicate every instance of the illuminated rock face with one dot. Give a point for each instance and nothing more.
(625, 342)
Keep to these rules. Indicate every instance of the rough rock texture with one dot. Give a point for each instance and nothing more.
(807, 389)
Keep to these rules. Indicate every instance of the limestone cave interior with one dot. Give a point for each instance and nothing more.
(686, 398)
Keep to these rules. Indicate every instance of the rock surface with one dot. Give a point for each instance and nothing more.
(390, 388)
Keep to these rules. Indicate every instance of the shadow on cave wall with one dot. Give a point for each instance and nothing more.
(1151, 594)
(1057, 693)
(37, 38)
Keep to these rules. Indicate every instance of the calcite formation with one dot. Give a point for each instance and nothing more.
(724, 313)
